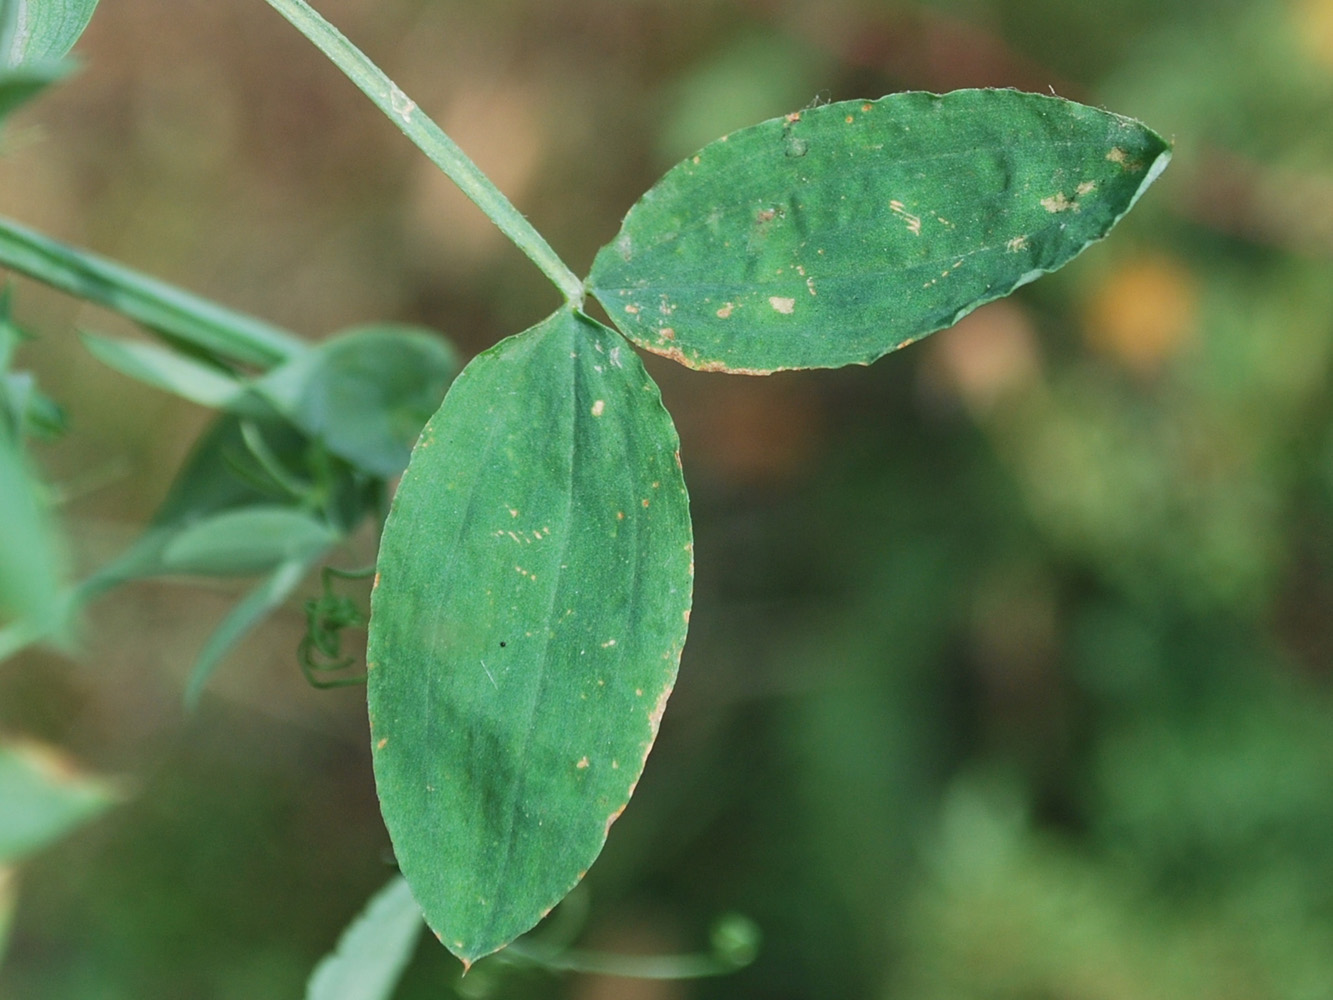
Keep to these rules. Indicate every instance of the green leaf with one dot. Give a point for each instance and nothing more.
(43, 30)
(212, 479)
(166, 369)
(20, 85)
(8, 897)
(374, 950)
(248, 540)
(366, 393)
(533, 591)
(35, 35)
(249, 612)
(44, 797)
(837, 234)
(220, 476)
(31, 558)
(171, 312)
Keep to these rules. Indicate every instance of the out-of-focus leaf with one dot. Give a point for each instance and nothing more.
(10, 334)
(25, 408)
(249, 540)
(373, 950)
(367, 392)
(35, 35)
(177, 315)
(31, 560)
(533, 590)
(248, 613)
(165, 369)
(212, 478)
(33, 412)
(43, 30)
(839, 233)
(43, 797)
(8, 897)
(222, 474)
(18, 86)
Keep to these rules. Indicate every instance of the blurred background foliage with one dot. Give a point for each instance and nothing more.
(1009, 670)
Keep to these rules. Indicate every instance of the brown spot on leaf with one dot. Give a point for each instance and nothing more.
(655, 716)
(610, 820)
(677, 355)
(913, 221)
(1059, 203)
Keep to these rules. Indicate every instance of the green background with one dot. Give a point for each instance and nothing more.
(1008, 669)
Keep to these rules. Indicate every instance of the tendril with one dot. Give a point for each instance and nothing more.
(320, 652)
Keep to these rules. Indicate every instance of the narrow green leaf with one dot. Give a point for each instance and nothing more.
(160, 307)
(366, 393)
(222, 474)
(43, 30)
(44, 797)
(166, 369)
(248, 540)
(532, 600)
(31, 558)
(8, 897)
(837, 234)
(211, 483)
(22, 84)
(373, 951)
(249, 612)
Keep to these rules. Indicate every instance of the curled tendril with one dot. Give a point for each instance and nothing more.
(320, 652)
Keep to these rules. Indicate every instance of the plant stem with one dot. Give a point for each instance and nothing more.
(626, 966)
(163, 308)
(432, 141)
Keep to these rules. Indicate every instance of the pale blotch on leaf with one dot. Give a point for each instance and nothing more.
(1058, 203)
(913, 221)
(782, 305)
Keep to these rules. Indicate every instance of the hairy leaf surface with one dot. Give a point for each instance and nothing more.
(839, 233)
(533, 588)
